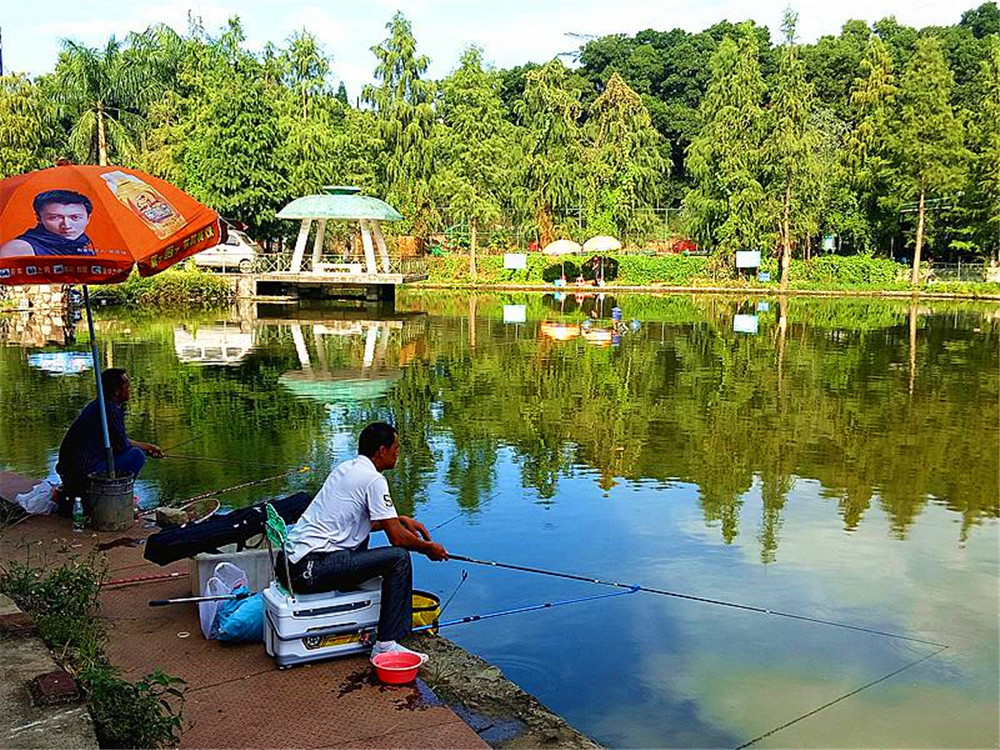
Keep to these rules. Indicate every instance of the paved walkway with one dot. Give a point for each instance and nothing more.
(236, 697)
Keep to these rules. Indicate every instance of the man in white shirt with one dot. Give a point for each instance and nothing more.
(328, 547)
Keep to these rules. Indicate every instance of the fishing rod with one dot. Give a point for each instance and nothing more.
(187, 599)
(691, 597)
(529, 608)
(213, 493)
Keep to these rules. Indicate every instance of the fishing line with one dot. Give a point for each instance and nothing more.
(224, 461)
(445, 523)
(845, 695)
(706, 600)
(465, 575)
(178, 445)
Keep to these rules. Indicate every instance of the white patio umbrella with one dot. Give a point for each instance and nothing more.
(562, 247)
(602, 243)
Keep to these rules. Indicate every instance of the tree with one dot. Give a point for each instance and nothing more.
(726, 208)
(791, 149)
(26, 126)
(306, 68)
(980, 211)
(625, 165)
(549, 111)
(867, 155)
(927, 147)
(341, 95)
(104, 93)
(478, 147)
(231, 163)
(404, 105)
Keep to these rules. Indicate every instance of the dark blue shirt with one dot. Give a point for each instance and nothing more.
(83, 447)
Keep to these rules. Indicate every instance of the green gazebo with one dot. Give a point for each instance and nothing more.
(345, 203)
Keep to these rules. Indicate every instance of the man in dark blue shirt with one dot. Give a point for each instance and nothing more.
(82, 451)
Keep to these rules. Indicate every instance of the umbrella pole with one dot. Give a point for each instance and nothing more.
(100, 390)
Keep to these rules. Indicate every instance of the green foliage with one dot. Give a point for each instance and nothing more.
(726, 208)
(625, 167)
(850, 270)
(403, 103)
(63, 602)
(133, 714)
(479, 146)
(549, 112)
(791, 152)
(27, 126)
(186, 286)
(928, 145)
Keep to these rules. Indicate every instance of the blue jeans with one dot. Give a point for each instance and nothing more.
(131, 461)
(318, 572)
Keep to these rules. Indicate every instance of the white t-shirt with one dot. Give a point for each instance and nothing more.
(340, 516)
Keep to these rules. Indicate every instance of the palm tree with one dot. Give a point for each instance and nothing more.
(104, 93)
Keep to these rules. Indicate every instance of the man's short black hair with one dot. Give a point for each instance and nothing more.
(64, 197)
(375, 436)
(111, 380)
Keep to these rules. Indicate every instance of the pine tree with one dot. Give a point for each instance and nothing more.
(980, 212)
(726, 208)
(404, 104)
(791, 149)
(868, 159)
(549, 111)
(479, 149)
(927, 148)
(625, 164)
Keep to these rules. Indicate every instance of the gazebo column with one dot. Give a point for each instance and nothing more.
(380, 241)
(318, 244)
(366, 241)
(300, 245)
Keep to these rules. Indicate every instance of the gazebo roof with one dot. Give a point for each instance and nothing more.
(340, 202)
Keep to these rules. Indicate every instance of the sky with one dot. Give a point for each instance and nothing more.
(511, 32)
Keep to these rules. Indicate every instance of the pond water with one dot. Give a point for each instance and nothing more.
(835, 459)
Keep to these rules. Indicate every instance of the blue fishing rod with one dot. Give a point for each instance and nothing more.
(518, 610)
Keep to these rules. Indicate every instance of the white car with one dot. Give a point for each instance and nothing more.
(238, 251)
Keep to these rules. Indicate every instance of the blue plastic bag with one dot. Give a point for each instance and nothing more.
(242, 620)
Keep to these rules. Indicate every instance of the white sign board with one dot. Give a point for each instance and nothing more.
(515, 261)
(748, 258)
(745, 324)
(514, 313)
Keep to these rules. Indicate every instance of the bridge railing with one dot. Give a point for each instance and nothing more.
(282, 263)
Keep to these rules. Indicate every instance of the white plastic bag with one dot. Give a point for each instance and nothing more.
(38, 500)
(225, 580)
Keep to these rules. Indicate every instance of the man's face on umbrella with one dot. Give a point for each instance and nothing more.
(67, 220)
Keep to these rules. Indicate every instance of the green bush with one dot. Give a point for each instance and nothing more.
(187, 285)
(832, 272)
(63, 601)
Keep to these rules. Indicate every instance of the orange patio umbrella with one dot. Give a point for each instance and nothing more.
(82, 224)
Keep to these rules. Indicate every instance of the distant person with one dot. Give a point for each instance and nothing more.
(63, 216)
(82, 451)
(328, 547)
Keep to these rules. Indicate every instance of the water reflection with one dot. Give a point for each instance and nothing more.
(219, 344)
(842, 461)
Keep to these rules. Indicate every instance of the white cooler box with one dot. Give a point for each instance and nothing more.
(320, 626)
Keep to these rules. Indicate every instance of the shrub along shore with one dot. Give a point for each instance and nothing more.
(189, 286)
(832, 274)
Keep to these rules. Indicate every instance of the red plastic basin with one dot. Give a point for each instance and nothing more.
(397, 667)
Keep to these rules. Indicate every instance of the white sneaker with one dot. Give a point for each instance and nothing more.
(385, 647)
